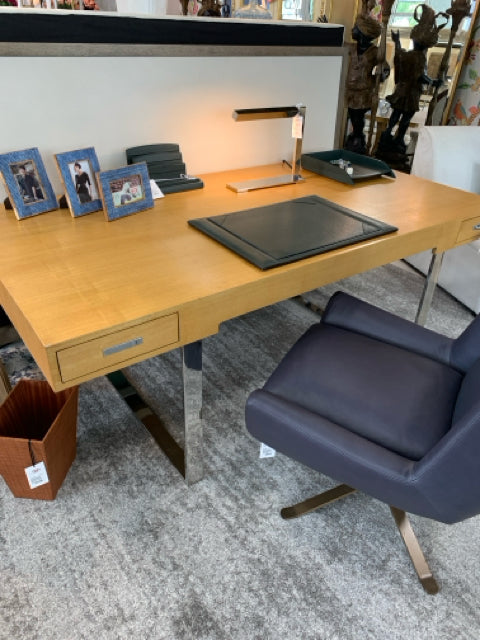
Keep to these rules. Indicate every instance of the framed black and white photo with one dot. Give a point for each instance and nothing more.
(125, 191)
(78, 170)
(27, 183)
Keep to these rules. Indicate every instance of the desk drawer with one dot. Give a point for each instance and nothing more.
(469, 230)
(116, 348)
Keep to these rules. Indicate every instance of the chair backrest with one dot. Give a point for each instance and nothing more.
(465, 355)
(465, 350)
(449, 473)
(450, 155)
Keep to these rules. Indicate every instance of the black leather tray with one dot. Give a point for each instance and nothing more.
(363, 167)
(288, 231)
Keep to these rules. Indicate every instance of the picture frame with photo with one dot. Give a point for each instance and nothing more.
(27, 183)
(78, 170)
(125, 191)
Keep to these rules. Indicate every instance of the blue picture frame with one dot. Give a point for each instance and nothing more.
(78, 170)
(27, 183)
(125, 191)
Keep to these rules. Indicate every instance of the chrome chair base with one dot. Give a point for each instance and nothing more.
(414, 551)
(420, 565)
(317, 502)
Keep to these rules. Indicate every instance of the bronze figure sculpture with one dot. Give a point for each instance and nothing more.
(410, 78)
(361, 84)
(382, 70)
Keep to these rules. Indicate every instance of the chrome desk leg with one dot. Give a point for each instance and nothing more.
(189, 459)
(192, 403)
(429, 287)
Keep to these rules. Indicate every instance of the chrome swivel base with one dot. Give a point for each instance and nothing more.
(414, 551)
(317, 502)
(401, 519)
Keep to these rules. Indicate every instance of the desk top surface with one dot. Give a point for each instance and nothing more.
(65, 281)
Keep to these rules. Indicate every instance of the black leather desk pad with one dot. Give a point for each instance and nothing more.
(288, 231)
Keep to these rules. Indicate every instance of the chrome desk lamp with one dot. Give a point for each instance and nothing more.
(267, 113)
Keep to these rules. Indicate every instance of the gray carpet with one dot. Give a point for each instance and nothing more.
(128, 551)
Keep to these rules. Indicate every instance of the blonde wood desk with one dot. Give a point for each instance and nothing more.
(89, 297)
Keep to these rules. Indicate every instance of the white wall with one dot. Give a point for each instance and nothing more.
(149, 7)
(63, 104)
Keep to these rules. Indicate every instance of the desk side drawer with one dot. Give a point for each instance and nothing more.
(469, 230)
(117, 348)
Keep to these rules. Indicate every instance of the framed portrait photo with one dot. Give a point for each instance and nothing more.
(125, 191)
(79, 170)
(27, 183)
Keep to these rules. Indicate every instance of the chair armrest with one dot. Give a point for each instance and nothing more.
(448, 474)
(349, 313)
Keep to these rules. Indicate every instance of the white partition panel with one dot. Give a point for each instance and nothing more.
(64, 103)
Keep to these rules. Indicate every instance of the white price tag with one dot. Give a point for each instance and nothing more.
(297, 126)
(156, 191)
(37, 475)
(266, 451)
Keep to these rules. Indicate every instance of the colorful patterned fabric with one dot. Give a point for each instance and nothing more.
(466, 103)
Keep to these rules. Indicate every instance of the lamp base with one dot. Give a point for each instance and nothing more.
(263, 183)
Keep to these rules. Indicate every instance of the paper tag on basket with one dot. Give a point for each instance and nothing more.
(297, 126)
(37, 475)
(266, 451)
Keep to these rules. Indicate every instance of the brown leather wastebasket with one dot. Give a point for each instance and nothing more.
(37, 424)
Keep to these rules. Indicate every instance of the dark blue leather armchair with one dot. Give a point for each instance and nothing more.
(384, 406)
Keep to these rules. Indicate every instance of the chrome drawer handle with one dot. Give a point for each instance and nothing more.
(122, 346)
(476, 227)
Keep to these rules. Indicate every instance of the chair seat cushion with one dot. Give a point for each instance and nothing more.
(391, 396)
